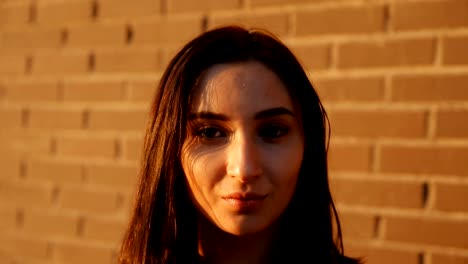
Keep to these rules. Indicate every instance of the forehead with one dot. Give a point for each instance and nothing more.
(237, 87)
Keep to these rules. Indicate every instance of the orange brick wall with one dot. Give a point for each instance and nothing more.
(76, 77)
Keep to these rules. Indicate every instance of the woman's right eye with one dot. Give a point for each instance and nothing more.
(210, 133)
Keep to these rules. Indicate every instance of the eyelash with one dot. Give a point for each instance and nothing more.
(273, 132)
(268, 132)
(204, 130)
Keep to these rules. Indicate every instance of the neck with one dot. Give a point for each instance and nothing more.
(218, 247)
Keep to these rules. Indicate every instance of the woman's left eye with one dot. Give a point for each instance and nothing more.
(272, 132)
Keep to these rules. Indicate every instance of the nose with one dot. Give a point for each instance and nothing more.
(243, 159)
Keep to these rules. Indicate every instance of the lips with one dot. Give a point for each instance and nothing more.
(245, 202)
(245, 196)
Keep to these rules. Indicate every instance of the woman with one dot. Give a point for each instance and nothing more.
(234, 168)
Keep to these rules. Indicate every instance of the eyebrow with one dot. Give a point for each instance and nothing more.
(271, 112)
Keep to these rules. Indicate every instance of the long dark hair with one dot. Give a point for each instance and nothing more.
(163, 228)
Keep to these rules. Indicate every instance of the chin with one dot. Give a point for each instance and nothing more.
(244, 228)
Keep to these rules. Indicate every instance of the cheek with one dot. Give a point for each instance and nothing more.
(284, 166)
(195, 182)
(285, 162)
(201, 172)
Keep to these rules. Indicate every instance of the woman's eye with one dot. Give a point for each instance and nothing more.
(210, 133)
(272, 132)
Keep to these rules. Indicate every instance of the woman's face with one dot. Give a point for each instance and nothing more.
(244, 147)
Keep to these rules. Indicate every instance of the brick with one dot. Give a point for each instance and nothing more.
(451, 197)
(24, 246)
(445, 160)
(7, 218)
(88, 201)
(102, 229)
(202, 5)
(112, 176)
(11, 117)
(19, 259)
(89, 147)
(383, 255)
(437, 258)
(12, 64)
(32, 90)
(167, 31)
(133, 148)
(48, 224)
(93, 91)
(378, 123)
(357, 226)
(55, 171)
(25, 193)
(124, 60)
(257, 3)
(63, 13)
(10, 164)
(167, 54)
(349, 157)
(122, 120)
(366, 89)
(454, 50)
(2, 90)
(378, 193)
(96, 35)
(55, 119)
(313, 57)
(57, 63)
(341, 20)
(8, 258)
(427, 231)
(31, 39)
(127, 9)
(429, 88)
(452, 123)
(78, 253)
(277, 23)
(143, 91)
(386, 53)
(14, 14)
(26, 142)
(429, 14)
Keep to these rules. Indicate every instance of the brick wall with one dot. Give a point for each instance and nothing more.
(76, 77)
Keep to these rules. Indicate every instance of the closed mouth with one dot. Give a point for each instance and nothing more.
(245, 196)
